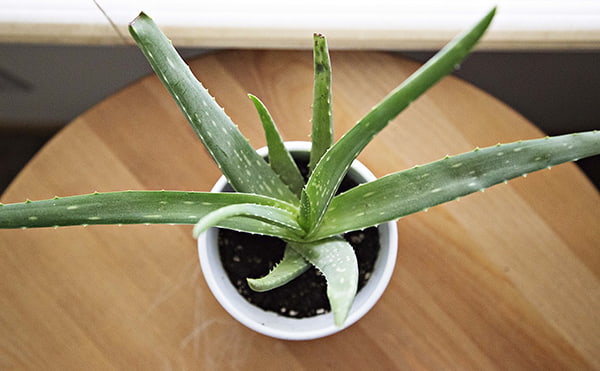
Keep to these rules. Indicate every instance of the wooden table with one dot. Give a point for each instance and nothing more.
(506, 279)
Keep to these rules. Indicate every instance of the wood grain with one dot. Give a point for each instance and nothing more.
(506, 279)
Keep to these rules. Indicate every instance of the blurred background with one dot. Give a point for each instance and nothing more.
(58, 59)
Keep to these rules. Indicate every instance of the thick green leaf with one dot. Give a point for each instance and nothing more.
(291, 266)
(335, 258)
(400, 194)
(245, 170)
(279, 158)
(283, 220)
(330, 171)
(322, 118)
(130, 207)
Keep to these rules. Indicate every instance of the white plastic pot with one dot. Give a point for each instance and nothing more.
(273, 324)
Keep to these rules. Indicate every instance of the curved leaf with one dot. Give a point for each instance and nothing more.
(284, 220)
(291, 266)
(335, 258)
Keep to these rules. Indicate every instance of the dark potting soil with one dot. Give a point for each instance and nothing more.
(245, 255)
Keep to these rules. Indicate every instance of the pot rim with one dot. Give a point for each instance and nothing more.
(277, 326)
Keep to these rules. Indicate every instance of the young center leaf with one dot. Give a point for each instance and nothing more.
(279, 158)
(322, 116)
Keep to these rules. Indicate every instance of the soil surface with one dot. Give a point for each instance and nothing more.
(246, 255)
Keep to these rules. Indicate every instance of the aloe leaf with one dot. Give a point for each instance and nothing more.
(129, 207)
(419, 188)
(335, 258)
(245, 170)
(279, 158)
(330, 171)
(291, 266)
(260, 226)
(322, 118)
(269, 215)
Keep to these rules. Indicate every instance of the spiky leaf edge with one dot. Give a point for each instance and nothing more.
(245, 170)
(137, 207)
(425, 186)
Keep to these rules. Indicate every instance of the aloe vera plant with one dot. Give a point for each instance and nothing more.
(272, 197)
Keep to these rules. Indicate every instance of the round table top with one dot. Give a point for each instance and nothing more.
(506, 279)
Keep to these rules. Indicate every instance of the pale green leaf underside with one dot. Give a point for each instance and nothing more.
(333, 166)
(280, 159)
(400, 194)
(283, 220)
(335, 258)
(291, 266)
(129, 207)
(322, 118)
(245, 170)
